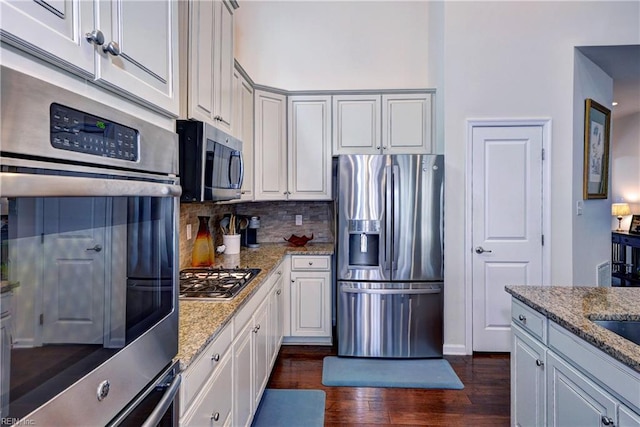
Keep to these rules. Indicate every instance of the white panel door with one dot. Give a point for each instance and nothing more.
(74, 275)
(310, 304)
(356, 124)
(270, 146)
(507, 225)
(309, 148)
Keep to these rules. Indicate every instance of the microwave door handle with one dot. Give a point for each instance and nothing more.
(28, 185)
(237, 154)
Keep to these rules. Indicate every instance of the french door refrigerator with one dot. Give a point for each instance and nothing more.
(390, 255)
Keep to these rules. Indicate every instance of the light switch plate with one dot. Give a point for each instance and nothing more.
(579, 207)
(298, 219)
(188, 231)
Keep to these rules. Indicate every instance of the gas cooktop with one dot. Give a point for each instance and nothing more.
(214, 284)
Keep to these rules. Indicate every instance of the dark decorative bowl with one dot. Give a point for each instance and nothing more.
(298, 240)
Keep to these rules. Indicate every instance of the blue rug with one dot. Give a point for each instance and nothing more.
(400, 373)
(290, 408)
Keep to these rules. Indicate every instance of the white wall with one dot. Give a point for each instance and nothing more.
(625, 165)
(303, 45)
(592, 229)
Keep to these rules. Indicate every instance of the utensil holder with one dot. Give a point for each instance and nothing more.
(231, 243)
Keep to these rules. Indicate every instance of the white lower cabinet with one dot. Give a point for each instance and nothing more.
(559, 379)
(224, 385)
(310, 299)
(5, 352)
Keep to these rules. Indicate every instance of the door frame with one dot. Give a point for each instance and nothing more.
(545, 124)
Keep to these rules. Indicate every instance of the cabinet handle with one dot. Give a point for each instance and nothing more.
(278, 292)
(216, 416)
(607, 421)
(255, 330)
(96, 37)
(539, 362)
(310, 262)
(112, 47)
(522, 318)
(215, 357)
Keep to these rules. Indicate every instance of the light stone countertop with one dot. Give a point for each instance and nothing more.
(201, 321)
(573, 308)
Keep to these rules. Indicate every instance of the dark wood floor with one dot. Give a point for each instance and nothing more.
(484, 400)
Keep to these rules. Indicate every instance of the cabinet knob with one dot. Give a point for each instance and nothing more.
(310, 262)
(112, 47)
(216, 416)
(539, 362)
(377, 147)
(279, 273)
(607, 421)
(522, 318)
(96, 37)
(278, 292)
(215, 357)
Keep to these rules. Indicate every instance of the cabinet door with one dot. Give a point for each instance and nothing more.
(53, 30)
(223, 65)
(527, 380)
(243, 129)
(243, 376)
(310, 304)
(309, 148)
(213, 405)
(356, 124)
(406, 123)
(270, 179)
(275, 319)
(574, 400)
(262, 357)
(146, 34)
(201, 63)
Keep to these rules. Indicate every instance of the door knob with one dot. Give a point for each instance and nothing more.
(481, 250)
(96, 248)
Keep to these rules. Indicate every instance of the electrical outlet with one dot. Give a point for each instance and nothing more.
(188, 231)
(298, 219)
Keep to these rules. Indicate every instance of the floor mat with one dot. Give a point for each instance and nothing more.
(290, 408)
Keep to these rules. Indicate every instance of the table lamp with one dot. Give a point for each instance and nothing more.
(619, 210)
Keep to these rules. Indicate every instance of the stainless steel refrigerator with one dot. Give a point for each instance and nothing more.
(390, 255)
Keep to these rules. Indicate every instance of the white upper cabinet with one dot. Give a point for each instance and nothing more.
(210, 63)
(356, 124)
(270, 179)
(243, 128)
(126, 46)
(406, 123)
(382, 124)
(309, 148)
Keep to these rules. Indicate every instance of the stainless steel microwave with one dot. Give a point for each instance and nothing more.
(211, 164)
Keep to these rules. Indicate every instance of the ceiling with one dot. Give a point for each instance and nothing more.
(622, 63)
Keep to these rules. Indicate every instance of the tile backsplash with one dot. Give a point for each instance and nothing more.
(277, 221)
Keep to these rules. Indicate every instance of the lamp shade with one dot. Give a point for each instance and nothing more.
(620, 209)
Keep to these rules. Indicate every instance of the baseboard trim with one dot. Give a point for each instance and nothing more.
(455, 350)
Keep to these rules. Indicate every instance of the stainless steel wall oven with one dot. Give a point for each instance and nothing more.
(89, 201)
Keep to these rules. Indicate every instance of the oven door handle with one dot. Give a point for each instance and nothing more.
(164, 403)
(28, 185)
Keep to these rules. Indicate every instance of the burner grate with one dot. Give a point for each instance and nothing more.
(217, 284)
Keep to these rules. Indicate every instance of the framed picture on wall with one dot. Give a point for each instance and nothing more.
(597, 122)
(635, 224)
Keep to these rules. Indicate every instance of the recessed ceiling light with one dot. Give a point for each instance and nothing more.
(614, 103)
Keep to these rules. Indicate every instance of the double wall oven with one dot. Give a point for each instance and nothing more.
(89, 201)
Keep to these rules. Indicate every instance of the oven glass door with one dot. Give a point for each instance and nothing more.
(83, 276)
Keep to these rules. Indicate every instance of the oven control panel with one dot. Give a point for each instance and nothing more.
(73, 130)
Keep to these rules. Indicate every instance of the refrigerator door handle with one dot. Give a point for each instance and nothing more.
(395, 172)
(389, 212)
(350, 290)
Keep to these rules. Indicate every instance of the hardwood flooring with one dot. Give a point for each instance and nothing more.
(485, 399)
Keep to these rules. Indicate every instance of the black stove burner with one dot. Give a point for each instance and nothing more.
(209, 283)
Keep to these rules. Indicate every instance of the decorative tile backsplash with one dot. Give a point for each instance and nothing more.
(277, 221)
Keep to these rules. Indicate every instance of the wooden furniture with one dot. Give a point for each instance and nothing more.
(625, 259)
(559, 379)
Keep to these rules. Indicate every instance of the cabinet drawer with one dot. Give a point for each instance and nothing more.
(213, 405)
(198, 372)
(315, 263)
(530, 320)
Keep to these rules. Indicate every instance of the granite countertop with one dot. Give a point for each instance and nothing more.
(574, 307)
(201, 321)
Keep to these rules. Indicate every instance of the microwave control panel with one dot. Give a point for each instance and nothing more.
(74, 130)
